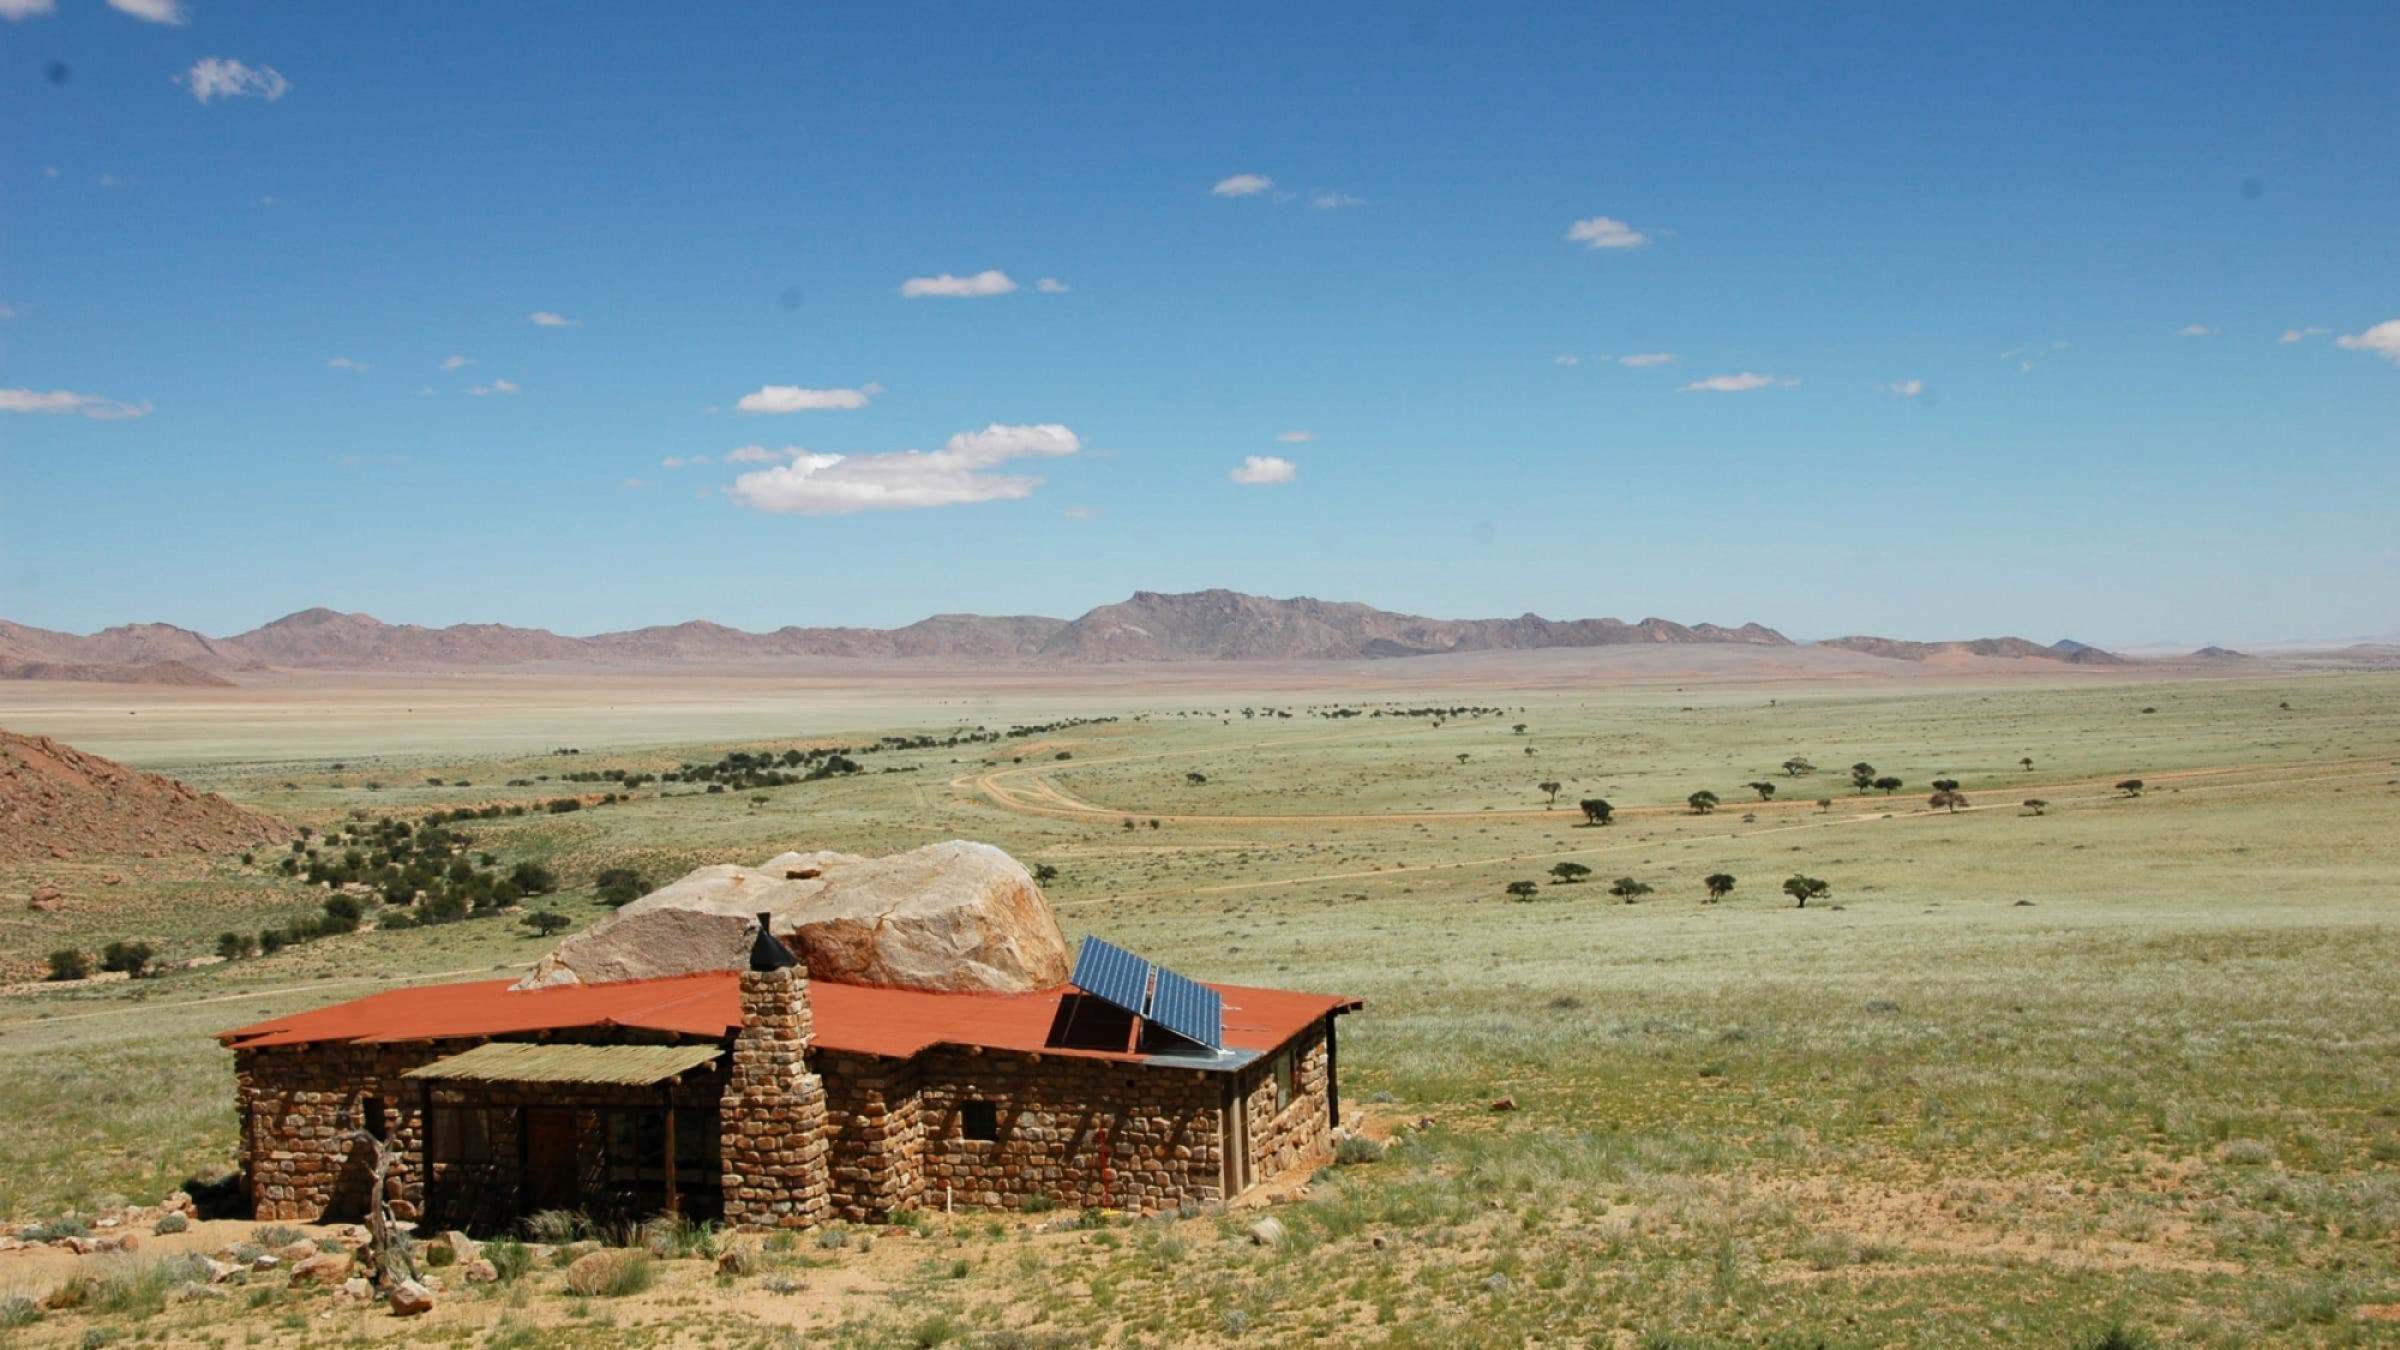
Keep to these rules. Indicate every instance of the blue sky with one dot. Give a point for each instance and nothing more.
(1957, 252)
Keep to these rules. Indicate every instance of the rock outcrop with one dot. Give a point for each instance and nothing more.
(58, 803)
(954, 916)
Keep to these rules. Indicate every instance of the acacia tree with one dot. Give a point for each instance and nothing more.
(1796, 766)
(1720, 885)
(2036, 806)
(1597, 811)
(1523, 890)
(1804, 888)
(1568, 873)
(1764, 789)
(2131, 787)
(1889, 784)
(1702, 802)
(2026, 764)
(1950, 798)
(1863, 775)
(1462, 756)
(1553, 789)
(1629, 890)
(1945, 785)
(1824, 803)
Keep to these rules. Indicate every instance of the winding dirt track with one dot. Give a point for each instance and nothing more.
(1030, 790)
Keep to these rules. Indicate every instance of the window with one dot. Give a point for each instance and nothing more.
(979, 1121)
(461, 1134)
(1287, 1079)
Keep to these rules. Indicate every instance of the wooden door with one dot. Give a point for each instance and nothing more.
(1235, 1140)
(550, 1159)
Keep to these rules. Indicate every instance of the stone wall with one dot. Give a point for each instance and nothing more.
(1076, 1132)
(875, 1133)
(298, 1107)
(1293, 1134)
(774, 1109)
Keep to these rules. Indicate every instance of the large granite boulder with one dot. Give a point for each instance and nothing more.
(955, 916)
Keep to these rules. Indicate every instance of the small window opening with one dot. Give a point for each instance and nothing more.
(979, 1121)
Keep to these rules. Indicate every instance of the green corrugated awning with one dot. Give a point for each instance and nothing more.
(526, 1062)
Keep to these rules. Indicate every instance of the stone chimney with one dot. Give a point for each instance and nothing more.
(773, 1118)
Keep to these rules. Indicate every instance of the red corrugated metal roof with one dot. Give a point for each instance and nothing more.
(857, 1018)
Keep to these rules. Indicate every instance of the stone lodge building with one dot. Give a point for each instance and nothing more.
(764, 1098)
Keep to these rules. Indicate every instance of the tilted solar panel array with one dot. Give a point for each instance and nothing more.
(1113, 975)
(1189, 1009)
(1183, 1006)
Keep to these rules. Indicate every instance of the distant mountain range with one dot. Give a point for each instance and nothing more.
(1214, 625)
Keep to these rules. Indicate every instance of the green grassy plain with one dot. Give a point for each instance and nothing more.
(2131, 1063)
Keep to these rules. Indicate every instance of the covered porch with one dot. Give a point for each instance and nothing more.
(619, 1132)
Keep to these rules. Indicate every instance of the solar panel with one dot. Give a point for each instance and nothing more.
(1113, 975)
(1189, 1009)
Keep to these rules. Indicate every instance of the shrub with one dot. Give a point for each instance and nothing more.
(557, 1226)
(170, 1223)
(437, 1254)
(1358, 1149)
(617, 886)
(69, 964)
(544, 922)
(509, 1257)
(16, 1310)
(51, 1230)
(533, 878)
(2121, 1337)
(273, 1235)
(617, 1274)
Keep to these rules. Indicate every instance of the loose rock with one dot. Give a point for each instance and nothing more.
(1267, 1232)
(409, 1298)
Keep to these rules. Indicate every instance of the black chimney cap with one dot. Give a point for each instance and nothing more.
(768, 952)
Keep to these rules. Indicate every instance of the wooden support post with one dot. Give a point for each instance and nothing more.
(674, 1206)
(1333, 1078)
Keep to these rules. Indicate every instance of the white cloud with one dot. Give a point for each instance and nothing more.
(13, 10)
(791, 398)
(2302, 334)
(220, 77)
(2195, 330)
(1739, 384)
(840, 485)
(152, 11)
(1605, 232)
(1641, 359)
(1242, 185)
(1907, 388)
(990, 281)
(682, 461)
(457, 362)
(1295, 437)
(2383, 340)
(1566, 360)
(1264, 470)
(67, 402)
(633, 484)
(1081, 513)
(1334, 201)
(1052, 286)
(545, 319)
(345, 363)
(495, 387)
(757, 454)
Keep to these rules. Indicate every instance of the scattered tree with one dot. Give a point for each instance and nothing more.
(1804, 888)
(2036, 805)
(1568, 873)
(544, 922)
(1862, 774)
(619, 886)
(533, 879)
(1824, 803)
(1462, 756)
(1947, 798)
(2131, 787)
(1764, 789)
(1519, 728)
(1045, 873)
(1195, 778)
(1553, 789)
(1796, 766)
(1629, 890)
(1945, 785)
(1523, 890)
(2026, 764)
(1597, 811)
(235, 946)
(1720, 885)
(1889, 784)
(130, 957)
(1702, 802)
(69, 964)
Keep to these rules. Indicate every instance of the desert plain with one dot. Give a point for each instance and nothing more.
(2120, 1069)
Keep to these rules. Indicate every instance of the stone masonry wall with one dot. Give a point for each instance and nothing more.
(774, 1110)
(298, 1106)
(1079, 1132)
(1297, 1134)
(875, 1134)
